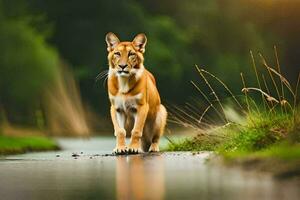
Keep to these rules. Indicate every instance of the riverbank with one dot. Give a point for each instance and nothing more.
(16, 145)
(263, 142)
(281, 160)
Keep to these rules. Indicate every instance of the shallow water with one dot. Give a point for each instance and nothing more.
(94, 175)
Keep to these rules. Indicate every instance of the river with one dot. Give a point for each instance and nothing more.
(92, 173)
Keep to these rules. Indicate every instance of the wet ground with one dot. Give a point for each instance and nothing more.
(85, 170)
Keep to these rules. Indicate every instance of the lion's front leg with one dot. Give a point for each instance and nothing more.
(118, 119)
(137, 131)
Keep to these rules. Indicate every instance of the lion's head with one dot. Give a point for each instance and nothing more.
(126, 58)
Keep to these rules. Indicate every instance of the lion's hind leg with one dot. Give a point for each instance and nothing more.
(158, 128)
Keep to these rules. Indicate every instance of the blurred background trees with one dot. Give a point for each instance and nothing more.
(36, 36)
(27, 63)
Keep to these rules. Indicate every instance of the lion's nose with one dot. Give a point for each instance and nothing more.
(123, 66)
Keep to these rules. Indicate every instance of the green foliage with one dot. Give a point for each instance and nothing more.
(27, 65)
(218, 35)
(25, 59)
(23, 144)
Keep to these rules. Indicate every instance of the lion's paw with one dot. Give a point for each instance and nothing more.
(154, 147)
(120, 150)
(134, 149)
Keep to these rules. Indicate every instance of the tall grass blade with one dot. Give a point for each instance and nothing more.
(271, 76)
(279, 71)
(207, 99)
(213, 92)
(257, 77)
(226, 87)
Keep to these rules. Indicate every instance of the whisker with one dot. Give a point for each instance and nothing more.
(105, 80)
(101, 75)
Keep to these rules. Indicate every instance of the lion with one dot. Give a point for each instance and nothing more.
(136, 107)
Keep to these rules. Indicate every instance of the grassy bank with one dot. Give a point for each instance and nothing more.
(269, 135)
(268, 142)
(15, 145)
(263, 124)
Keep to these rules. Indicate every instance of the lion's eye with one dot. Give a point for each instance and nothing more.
(131, 54)
(117, 54)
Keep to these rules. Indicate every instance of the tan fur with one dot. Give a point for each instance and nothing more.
(136, 108)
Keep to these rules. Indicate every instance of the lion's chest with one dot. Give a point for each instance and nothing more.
(126, 103)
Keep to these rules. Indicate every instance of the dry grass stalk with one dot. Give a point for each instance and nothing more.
(247, 98)
(268, 91)
(213, 92)
(271, 76)
(296, 97)
(207, 118)
(279, 71)
(256, 75)
(284, 81)
(207, 99)
(268, 97)
(197, 115)
(245, 92)
(186, 116)
(177, 120)
(205, 111)
(225, 86)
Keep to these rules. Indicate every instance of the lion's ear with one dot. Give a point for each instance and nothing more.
(112, 41)
(139, 42)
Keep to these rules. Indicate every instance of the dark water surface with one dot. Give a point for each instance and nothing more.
(92, 175)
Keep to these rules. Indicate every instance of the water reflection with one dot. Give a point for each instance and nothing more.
(137, 178)
(170, 176)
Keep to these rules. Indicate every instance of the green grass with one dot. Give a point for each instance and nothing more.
(283, 151)
(261, 135)
(197, 143)
(13, 145)
(260, 131)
